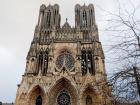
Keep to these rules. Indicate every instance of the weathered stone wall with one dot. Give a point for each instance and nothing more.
(43, 78)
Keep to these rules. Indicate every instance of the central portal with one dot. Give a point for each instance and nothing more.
(64, 98)
(63, 93)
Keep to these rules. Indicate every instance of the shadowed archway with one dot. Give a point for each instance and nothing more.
(89, 96)
(63, 88)
(37, 96)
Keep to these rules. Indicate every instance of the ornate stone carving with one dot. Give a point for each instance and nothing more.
(57, 58)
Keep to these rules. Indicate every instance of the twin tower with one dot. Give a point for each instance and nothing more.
(50, 17)
(65, 65)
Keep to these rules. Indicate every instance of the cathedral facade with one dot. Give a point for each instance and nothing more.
(65, 65)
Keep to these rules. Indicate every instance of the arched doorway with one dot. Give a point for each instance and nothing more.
(89, 96)
(63, 93)
(37, 96)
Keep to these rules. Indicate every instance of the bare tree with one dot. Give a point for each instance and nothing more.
(125, 30)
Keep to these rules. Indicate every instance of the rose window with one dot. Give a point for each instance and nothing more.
(63, 98)
(65, 59)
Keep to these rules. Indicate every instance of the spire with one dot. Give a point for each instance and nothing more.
(84, 4)
(66, 24)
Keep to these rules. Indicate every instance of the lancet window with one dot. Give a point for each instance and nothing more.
(38, 100)
(86, 36)
(88, 100)
(91, 17)
(55, 14)
(40, 61)
(84, 18)
(87, 62)
(43, 62)
(49, 18)
(77, 17)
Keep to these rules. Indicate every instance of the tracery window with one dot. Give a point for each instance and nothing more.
(65, 59)
(69, 61)
(63, 98)
(39, 100)
(60, 61)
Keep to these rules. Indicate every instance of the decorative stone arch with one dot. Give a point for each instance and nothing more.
(89, 96)
(63, 84)
(21, 99)
(34, 93)
(66, 48)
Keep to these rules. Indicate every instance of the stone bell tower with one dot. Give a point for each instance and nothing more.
(65, 65)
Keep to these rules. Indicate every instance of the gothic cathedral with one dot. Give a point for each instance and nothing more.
(65, 65)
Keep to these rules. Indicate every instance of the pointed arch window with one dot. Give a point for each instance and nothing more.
(90, 62)
(43, 62)
(96, 63)
(84, 18)
(77, 16)
(87, 62)
(84, 62)
(86, 36)
(49, 18)
(40, 61)
(92, 17)
(88, 100)
(38, 100)
(55, 13)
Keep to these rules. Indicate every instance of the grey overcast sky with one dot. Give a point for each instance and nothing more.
(18, 19)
